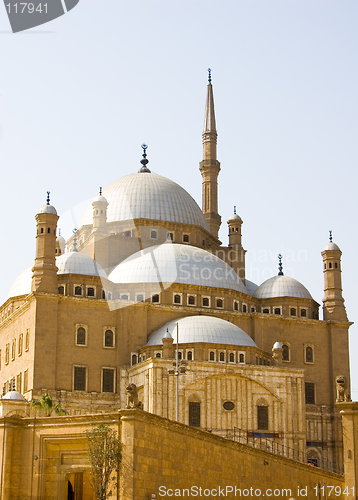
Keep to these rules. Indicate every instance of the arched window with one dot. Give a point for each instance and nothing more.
(212, 356)
(153, 235)
(103, 294)
(277, 310)
(140, 298)
(61, 290)
(206, 302)
(191, 300)
(90, 292)
(303, 313)
(219, 303)
(309, 354)
(330, 265)
(253, 309)
(222, 356)
(285, 352)
(108, 338)
(293, 311)
(134, 359)
(170, 236)
(158, 355)
(236, 306)
(124, 297)
(78, 290)
(189, 356)
(242, 358)
(177, 299)
(194, 413)
(336, 265)
(262, 416)
(266, 311)
(244, 308)
(232, 357)
(179, 355)
(81, 336)
(185, 238)
(127, 233)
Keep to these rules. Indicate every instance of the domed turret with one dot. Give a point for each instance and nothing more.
(60, 244)
(99, 205)
(333, 302)
(44, 277)
(236, 253)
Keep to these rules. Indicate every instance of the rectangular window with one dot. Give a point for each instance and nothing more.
(262, 417)
(194, 414)
(108, 380)
(27, 340)
(309, 393)
(7, 354)
(26, 380)
(20, 344)
(79, 378)
(13, 349)
(18, 382)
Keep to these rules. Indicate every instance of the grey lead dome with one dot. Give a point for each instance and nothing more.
(282, 286)
(202, 329)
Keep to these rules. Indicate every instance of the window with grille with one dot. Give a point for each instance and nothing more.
(79, 378)
(236, 306)
(222, 356)
(191, 300)
(293, 311)
(285, 353)
(190, 356)
(90, 292)
(177, 299)
(310, 393)
(232, 357)
(262, 417)
(219, 303)
(309, 355)
(242, 358)
(81, 336)
(78, 290)
(206, 302)
(303, 313)
(108, 380)
(108, 338)
(155, 298)
(277, 310)
(194, 414)
(244, 308)
(212, 356)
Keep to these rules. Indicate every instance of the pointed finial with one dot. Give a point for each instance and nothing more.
(234, 209)
(48, 198)
(74, 247)
(100, 191)
(59, 231)
(280, 267)
(209, 76)
(144, 160)
(330, 236)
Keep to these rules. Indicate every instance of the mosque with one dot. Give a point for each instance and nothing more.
(144, 293)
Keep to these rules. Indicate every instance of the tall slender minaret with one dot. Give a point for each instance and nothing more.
(44, 272)
(333, 301)
(209, 166)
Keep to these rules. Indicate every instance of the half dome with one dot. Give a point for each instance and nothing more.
(148, 196)
(79, 263)
(282, 286)
(208, 329)
(176, 263)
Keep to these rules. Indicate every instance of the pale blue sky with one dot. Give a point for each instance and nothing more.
(78, 96)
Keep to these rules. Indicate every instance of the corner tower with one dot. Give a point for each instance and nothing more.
(209, 166)
(44, 272)
(333, 302)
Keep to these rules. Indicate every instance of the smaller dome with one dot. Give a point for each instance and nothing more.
(14, 396)
(167, 335)
(47, 209)
(234, 218)
(207, 329)
(282, 286)
(277, 345)
(22, 284)
(331, 246)
(79, 263)
(99, 198)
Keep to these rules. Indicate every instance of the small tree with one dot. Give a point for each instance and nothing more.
(45, 403)
(105, 456)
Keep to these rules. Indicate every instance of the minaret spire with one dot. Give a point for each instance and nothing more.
(210, 167)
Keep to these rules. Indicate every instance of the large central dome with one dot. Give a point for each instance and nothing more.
(149, 196)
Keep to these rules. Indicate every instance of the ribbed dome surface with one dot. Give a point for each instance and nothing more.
(174, 263)
(79, 263)
(282, 286)
(22, 284)
(202, 329)
(148, 196)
